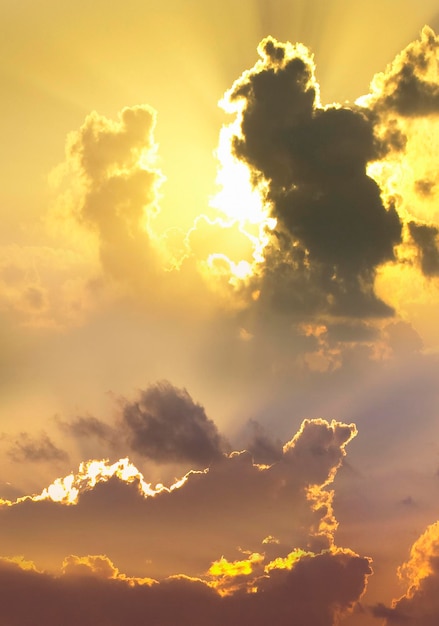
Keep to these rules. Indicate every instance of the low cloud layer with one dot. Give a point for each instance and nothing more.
(170, 541)
(100, 595)
(226, 510)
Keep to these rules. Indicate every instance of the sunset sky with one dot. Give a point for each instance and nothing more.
(219, 296)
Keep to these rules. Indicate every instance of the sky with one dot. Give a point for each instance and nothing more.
(219, 288)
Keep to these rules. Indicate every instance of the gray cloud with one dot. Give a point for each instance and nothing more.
(406, 88)
(333, 230)
(263, 447)
(427, 242)
(166, 425)
(36, 449)
(89, 426)
(119, 193)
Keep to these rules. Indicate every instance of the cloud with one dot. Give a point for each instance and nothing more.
(319, 589)
(263, 447)
(113, 189)
(163, 424)
(230, 508)
(166, 425)
(426, 240)
(46, 287)
(409, 86)
(333, 230)
(98, 566)
(89, 426)
(419, 606)
(36, 449)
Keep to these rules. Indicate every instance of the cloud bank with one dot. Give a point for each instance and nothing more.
(273, 526)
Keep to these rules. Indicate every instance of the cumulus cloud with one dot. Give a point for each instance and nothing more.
(333, 230)
(114, 186)
(405, 98)
(284, 509)
(409, 85)
(229, 508)
(419, 606)
(426, 240)
(320, 589)
(45, 287)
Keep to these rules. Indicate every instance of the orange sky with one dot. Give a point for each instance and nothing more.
(219, 220)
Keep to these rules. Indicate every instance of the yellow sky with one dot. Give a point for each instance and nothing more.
(132, 254)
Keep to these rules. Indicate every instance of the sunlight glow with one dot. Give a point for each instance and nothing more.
(241, 201)
(68, 489)
(288, 561)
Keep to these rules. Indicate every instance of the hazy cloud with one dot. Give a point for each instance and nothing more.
(163, 424)
(89, 426)
(112, 164)
(36, 449)
(333, 582)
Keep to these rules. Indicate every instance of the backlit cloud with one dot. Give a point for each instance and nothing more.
(333, 230)
(300, 282)
(419, 606)
(229, 508)
(95, 592)
(409, 85)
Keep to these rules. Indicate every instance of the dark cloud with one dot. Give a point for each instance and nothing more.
(163, 424)
(119, 193)
(262, 446)
(315, 590)
(408, 87)
(427, 242)
(89, 426)
(36, 449)
(333, 230)
(166, 425)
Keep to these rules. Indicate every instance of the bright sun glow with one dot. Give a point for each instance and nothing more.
(242, 203)
(68, 489)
